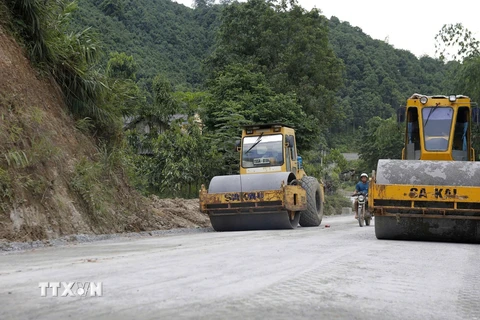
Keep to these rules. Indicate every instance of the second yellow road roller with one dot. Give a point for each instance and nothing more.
(272, 190)
(433, 192)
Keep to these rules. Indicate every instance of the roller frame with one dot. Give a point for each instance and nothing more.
(426, 200)
(253, 202)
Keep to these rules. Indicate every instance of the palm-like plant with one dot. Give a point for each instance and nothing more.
(69, 57)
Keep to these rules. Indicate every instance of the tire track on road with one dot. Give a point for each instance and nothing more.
(469, 295)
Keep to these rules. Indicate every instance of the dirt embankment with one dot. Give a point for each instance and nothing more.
(45, 161)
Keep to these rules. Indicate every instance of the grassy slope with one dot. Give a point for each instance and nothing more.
(54, 180)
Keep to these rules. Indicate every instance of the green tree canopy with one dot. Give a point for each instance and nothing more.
(287, 44)
(380, 139)
(240, 95)
(455, 37)
(122, 66)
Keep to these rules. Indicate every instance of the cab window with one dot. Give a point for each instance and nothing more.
(437, 122)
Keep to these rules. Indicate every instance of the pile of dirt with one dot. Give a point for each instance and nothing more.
(180, 212)
(47, 186)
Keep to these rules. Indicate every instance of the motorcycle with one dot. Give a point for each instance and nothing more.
(363, 214)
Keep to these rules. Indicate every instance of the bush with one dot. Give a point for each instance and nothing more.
(334, 204)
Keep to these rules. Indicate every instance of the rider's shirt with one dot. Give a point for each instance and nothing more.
(362, 187)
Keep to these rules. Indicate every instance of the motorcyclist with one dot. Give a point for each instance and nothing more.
(361, 187)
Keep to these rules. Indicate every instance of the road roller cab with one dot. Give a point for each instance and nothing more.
(269, 148)
(272, 190)
(433, 193)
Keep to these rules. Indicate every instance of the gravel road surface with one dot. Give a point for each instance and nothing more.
(340, 272)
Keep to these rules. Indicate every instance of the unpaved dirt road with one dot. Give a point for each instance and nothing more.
(341, 272)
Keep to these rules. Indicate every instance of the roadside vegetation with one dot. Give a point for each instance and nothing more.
(165, 99)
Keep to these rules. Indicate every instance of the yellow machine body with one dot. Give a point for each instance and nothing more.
(433, 193)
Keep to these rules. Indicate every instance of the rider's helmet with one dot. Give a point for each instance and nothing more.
(364, 175)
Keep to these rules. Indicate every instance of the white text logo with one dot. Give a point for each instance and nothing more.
(71, 289)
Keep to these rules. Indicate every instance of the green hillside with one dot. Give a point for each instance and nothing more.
(169, 38)
(161, 35)
(163, 67)
(258, 61)
(378, 77)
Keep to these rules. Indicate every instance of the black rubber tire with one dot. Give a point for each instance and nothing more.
(296, 219)
(361, 217)
(312, 217)
(367, 221)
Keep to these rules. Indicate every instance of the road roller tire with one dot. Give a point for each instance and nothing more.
(312, 217)
(242, 222)
(385, 228)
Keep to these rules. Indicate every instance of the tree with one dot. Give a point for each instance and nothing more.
(112, 7)
(240, 95)
(467, 75)
(123, 97)
(456, 38)
(156, 115)
(182, 159)
(380, 139)
(203, 3)
(335, 157)
(71, 58)
(289, 46)
(281, 40)
(120, 65)
(467, 78)
(164, 101)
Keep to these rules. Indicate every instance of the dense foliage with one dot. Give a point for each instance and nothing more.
(166, 66)
(161, 35)
(381, 139)
(290, 46)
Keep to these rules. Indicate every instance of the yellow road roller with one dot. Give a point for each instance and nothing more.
(272, 190)
(433, 192)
